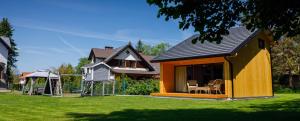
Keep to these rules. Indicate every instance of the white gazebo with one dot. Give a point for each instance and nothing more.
(52, 86)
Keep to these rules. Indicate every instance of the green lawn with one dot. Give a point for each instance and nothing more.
(137, 108)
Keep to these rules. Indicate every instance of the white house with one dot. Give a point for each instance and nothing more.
(4, 48)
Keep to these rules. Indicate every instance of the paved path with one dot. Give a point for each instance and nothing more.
(4, 90)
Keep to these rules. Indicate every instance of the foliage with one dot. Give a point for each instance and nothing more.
(82, 61)
(213, 18)
(139, 46)
(7, 30)
(159, 48)
(152, 50)
(137, 87)
(142, 87)
(70, 83)
(286, 58)
(285, 91)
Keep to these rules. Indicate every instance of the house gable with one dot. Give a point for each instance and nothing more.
(127, 54)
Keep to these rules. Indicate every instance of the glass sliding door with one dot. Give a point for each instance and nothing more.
(180, 79)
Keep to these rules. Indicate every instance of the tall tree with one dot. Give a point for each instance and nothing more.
(212, 18)
(139, 46)
(82, 61)
(286, 58)
(7, 30)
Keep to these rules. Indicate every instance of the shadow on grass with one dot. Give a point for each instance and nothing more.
(279, 111)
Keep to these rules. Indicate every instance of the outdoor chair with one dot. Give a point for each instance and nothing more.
(192, 85)
(217, 86)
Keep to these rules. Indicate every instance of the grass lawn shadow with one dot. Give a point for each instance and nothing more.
(278, 111)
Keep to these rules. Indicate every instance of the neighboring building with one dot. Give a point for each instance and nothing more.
(4, 48)
(109, 63)
(241, 61)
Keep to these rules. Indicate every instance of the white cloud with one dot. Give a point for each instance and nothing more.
(35, 52)
(122, 35)
(79, 51)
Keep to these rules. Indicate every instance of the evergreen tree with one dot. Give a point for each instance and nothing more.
(7, 30)
(139, 46)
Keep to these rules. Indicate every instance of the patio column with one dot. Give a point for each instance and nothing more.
(227, 78)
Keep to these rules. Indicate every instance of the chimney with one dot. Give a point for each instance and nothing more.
(109, 47)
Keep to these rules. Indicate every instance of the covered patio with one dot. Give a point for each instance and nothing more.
(195, 78)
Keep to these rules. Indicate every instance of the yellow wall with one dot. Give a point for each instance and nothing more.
(227, 78)
(166, 78)
(252, 70)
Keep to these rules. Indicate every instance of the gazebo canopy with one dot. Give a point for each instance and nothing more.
(42, 74)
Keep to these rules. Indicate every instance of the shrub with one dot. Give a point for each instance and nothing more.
(285, 90)
(142, 87)
(136, 87)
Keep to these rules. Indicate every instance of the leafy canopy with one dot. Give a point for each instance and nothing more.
(286, 58)
(212, 18)
(152, 50)
(82, 61)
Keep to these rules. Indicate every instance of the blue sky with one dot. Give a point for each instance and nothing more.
(49, 33)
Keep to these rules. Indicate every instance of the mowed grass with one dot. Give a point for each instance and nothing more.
(139, 108)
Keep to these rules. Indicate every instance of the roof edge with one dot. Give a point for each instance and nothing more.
(194, 57)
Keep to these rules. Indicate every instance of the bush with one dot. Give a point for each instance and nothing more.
(142, 87)
(137, 87)
(285, 90)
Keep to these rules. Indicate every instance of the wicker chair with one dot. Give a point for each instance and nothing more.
(217, 86)
(192, 85)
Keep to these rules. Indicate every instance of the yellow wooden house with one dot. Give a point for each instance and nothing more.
(241, 63)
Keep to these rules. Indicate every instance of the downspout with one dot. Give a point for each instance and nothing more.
(270, 51)
(231, 76)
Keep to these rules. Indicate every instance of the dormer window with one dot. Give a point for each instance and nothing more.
(127, 52)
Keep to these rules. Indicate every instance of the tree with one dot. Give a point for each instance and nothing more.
(67, 80)
(212, 18)
(152, 50)
(7, 30)
(139, 46)
(286, 58)
(159, 48)
(82, 61)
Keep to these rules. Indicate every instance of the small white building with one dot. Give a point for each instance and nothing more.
(4, 48)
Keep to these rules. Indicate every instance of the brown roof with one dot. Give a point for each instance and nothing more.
(148, 58)
(102, 53)
(135, 72)
(22, 76)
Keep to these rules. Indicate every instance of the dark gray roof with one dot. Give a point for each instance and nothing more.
(230, 44)
(5, 41)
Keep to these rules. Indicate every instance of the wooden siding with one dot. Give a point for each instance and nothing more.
(227, 78)
(101, 72)
(252, 70)
(166, 78)
(196, 61)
